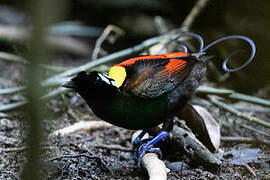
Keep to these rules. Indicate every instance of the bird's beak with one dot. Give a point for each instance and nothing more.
(69, 84)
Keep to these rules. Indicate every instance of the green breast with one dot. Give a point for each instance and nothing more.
(136, 113)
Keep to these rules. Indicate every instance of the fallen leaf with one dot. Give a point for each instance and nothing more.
(202, 124)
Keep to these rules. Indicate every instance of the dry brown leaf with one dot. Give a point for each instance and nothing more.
(202, 124)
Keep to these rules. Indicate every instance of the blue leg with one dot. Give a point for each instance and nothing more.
(148, 147)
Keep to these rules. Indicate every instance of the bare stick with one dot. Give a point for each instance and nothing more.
(82, 126)
(73, 156)
(23, 148)
(233, 95)
(20, 34)
(112, 147)
(104, 35)
(20, 104)
(255, 130)
(18, 59)
(195, 11)
(238, 113)
(244, 140)
(250, 170)
(7, 140)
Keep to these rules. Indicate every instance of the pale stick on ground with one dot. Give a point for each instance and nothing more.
(82, 126)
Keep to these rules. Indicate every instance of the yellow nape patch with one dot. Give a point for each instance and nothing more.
(118, 74)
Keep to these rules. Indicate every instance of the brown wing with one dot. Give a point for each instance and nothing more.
(152, 78)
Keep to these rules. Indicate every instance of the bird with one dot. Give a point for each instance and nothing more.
(145, 91)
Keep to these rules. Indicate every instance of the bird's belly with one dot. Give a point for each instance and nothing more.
(135, 113)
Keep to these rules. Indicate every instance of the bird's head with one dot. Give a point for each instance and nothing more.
(84, 81)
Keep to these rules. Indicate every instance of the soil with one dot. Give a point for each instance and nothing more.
(74, 156)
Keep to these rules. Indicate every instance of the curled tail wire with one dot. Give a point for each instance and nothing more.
(203, 49)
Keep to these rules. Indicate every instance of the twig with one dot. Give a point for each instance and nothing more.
(255, 130)
(244, 140)
(20, 34)
(110, 28)
(112, 147)
(160, 25)
(250, 170)
(82, 126)
(18, 59)
(3, 115)
(24, 148)
(238, 113)
(13, 106)
(7, 140)
(74, 28)
(195, 11)
(233, 95)
(74, 156)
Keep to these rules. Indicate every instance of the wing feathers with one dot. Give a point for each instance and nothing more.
(152, 76)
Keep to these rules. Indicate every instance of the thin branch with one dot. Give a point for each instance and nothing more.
(250, 170)
(195, 11)
(18, 59)
(82, 126)
(20, 104)
(73, 156)
(238, 113)
(112, 147)
(255, 130)
(110, 28)
(233, 95)
(244, 140)
(24, 148)
(64, 43)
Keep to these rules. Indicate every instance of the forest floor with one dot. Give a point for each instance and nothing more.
(76, 156)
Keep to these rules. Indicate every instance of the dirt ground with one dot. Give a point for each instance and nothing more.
(75, 156)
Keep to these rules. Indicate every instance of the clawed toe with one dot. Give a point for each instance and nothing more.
(143, 149)
(146, 145)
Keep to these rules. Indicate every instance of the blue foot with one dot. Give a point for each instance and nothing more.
(138, 138)
(146, 145)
